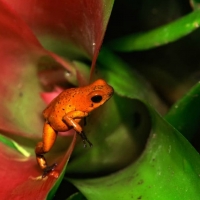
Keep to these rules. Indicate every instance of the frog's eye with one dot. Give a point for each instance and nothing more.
(96, 98)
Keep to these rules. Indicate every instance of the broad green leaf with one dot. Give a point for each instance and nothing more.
(166, 165)
(185, 114)
(159, 36)
(168, 168)
(110, 125)
(109, 128)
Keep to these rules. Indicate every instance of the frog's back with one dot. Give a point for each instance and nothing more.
(60, 104)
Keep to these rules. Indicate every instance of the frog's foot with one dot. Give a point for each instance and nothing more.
(85, 139)
(48, 170)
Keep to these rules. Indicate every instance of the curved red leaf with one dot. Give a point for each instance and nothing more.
(21, 177)
(20, 52)
(79, 21)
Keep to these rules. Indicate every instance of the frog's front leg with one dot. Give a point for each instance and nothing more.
(49, 137)
(69, 120)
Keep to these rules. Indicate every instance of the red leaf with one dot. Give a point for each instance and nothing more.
(21, 177)
(21, 22)
(79, 21)
(19, 54)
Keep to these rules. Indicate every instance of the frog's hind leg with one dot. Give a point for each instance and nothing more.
(49, 137)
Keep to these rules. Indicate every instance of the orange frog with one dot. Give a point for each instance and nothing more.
(65, 112)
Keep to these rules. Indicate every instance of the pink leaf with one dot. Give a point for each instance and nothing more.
(49, 96)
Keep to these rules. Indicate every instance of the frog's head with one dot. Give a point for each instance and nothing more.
(99, 92)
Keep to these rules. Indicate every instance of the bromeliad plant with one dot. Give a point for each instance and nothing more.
(137, 153)
(32, 35)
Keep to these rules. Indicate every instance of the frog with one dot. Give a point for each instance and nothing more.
(65, 112)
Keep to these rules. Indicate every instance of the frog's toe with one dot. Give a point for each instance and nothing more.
(48, 170)
(85, 139)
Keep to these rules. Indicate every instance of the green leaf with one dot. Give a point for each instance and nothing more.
(109, 128)
(14, 145)
(161, 164)
(169, 168)
(114, 70)
(159, 36)
(195, 4)
(185, 114)
(112, 124)
(77, 196)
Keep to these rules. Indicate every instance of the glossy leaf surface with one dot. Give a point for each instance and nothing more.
(185, 114)
(159, 36)
(163, 171)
